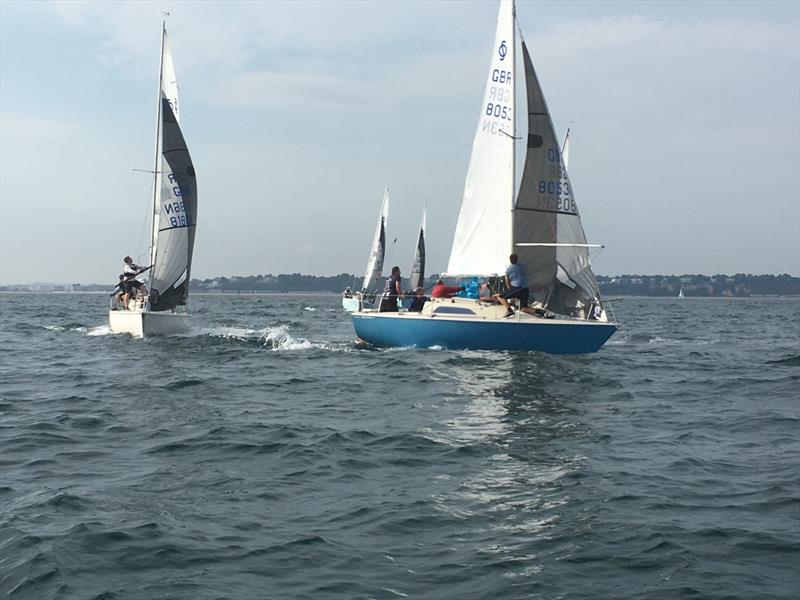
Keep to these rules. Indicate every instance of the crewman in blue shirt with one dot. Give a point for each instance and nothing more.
(516, 287)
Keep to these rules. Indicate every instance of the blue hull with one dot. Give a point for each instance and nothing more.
(553, 337)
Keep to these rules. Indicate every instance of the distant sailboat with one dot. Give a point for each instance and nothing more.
(680, 294)
(539, 222)
(417, 277)
(174, 216)
(351, 301)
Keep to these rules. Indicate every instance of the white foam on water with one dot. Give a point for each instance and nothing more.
(229, 333)
(309, 308)
(275, 338)
(54, 327)
(279, 338)
(99, 330)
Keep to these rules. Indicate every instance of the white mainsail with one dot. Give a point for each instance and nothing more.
(377, 250)
(482, 240)
(417, 277)
(174, 197)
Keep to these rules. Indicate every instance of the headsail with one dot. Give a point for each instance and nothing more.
(175, 198)
(565, 150)
(546, 213)
(482, 239)
(417, 278)
(378, 249)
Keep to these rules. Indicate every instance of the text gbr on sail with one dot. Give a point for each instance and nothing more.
(176, 211)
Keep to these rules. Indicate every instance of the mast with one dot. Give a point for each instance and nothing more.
(156, 170)
(513, 121)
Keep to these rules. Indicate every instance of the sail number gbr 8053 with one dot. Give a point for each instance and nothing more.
(498, 99)
(555, 193)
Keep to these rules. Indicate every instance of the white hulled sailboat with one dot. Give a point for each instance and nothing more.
(174, 217)
(372, 277)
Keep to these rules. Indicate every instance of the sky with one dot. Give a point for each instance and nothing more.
(684, 116)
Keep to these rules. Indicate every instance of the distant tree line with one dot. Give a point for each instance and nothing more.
(739, 285)
(637, 285)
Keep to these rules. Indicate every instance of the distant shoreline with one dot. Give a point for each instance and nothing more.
(739, 285)
(612, 298)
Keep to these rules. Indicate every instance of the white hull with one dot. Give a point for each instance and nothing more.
(146, 324)
(351, 304)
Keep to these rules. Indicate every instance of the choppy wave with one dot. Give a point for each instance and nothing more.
(792, 361)
(264, 453)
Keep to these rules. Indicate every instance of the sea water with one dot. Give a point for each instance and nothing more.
(267, 455)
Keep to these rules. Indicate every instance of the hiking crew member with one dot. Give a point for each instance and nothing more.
(130, 271)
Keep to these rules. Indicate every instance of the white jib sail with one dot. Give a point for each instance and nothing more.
(565, 150)
(378, 248)
(483, 236)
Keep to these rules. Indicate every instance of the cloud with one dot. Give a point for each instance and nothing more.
(681, 120)
(31, 129)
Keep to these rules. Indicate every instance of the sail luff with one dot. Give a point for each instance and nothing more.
(156, 167)
(565, 150)
(513, 126)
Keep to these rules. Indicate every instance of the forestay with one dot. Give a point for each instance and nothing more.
(175, 198)
(482, 239)
(546, 213)
(377, 250)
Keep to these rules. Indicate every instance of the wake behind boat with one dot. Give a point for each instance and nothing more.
(539, 223)
(162, 310)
